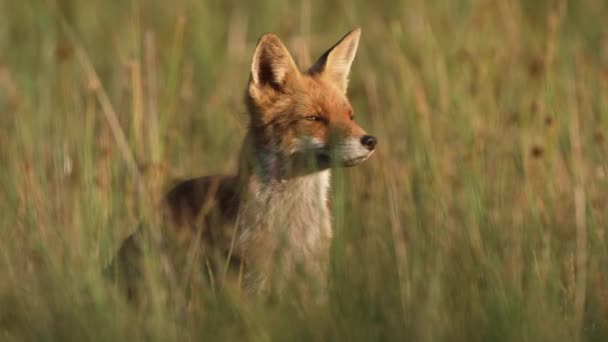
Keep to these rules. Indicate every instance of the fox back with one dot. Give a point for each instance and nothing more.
(271, 220)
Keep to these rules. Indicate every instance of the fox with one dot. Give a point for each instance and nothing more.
(271, 218)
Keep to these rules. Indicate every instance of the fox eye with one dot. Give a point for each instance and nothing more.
(313, 118)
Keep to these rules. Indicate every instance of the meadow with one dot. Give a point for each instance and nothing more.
(482, 216)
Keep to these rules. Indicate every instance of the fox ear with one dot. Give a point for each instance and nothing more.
(336, 62)
(272, 64)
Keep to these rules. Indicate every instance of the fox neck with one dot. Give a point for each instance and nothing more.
(270, 168)
(267, 180)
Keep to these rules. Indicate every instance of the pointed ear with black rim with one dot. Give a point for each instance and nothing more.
(272, 64)
(336, 62)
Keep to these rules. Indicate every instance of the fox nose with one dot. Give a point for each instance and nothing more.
(369, 142)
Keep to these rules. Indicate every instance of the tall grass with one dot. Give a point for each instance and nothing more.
(483, 215)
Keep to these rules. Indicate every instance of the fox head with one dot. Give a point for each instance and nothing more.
(303, 120)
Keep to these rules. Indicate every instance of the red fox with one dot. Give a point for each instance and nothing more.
(272, 218)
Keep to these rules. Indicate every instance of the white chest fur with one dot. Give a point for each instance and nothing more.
(285, 224)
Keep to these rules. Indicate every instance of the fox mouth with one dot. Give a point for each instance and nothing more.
(357, 160)
(324, 159)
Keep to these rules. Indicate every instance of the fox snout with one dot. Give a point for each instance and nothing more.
(352, 151)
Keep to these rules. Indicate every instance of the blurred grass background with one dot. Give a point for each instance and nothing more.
(483, 215)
